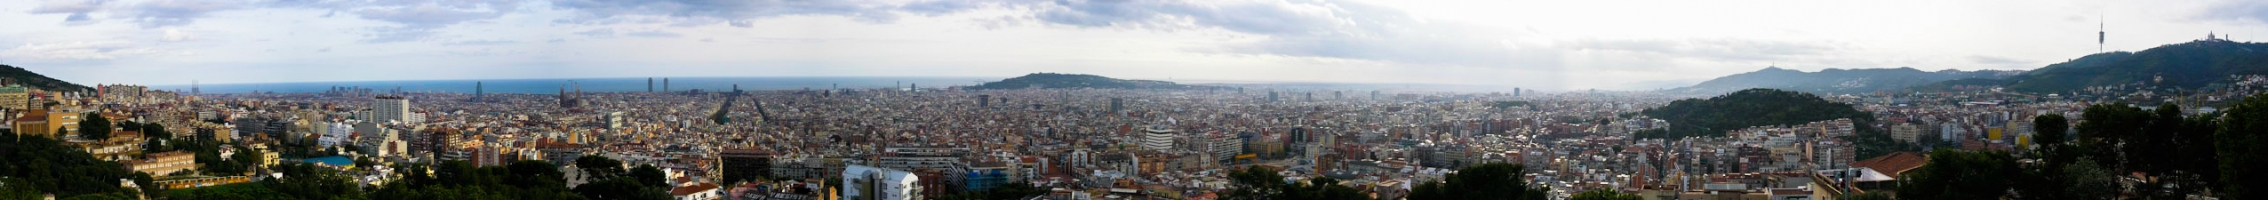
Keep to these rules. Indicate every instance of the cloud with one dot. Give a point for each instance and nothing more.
(2244, 11)
(78, 51)
(160, 13)
(77, 8)
(609, 11)
(481, 42)
(652, 34)
(1725, 49)
(176, 35)
(426, 15)
(67, 6)
(602, 32)
(397, 34)
(1992, 60)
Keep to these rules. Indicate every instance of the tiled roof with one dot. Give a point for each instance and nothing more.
(1894, 163)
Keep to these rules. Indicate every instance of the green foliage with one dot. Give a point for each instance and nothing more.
(307, 181)
(1651, 133)
(2239, 140)
(94, 127)
(462, 180)
(1764, 107)
(49, 166)
(35, 80)
(247, 191)
(1752, 107)
(1501, 105)
(1871, 196)
(2187, 65)
(1955, 174)
(1485, 181)
(599, 167)
(650, 175)
(2049, 128)
(621, 188)
(1607, 194)
(1263, 183)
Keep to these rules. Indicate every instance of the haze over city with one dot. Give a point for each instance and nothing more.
(1553, 45)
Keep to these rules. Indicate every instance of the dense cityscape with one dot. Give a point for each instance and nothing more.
(1132, 100)
(1103, 138)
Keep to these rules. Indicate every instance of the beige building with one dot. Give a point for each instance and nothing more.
(15, 97)
(160, 164)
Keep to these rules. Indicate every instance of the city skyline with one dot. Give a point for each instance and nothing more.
(1537, 45)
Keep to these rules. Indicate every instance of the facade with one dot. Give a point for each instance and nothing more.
(745, 164)
(160, 164)
(1157, 138)
(869, 183)
(391, 108)
(1907, 132)
(15, 97)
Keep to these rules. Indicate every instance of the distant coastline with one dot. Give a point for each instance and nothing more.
(549, 86)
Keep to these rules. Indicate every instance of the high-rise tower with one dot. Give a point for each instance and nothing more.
(2100, 35)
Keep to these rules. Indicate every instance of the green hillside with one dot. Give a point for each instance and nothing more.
(1747, 108)
(34, 80)
(2192, 65)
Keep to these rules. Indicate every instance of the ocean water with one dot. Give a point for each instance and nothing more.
(549, 86)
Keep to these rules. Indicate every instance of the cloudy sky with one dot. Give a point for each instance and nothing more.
(1531, 44)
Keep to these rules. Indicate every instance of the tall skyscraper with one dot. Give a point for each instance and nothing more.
(1271, 96)
(665, 84)
(984, 100)
(479, 91)
(649, 84)
(1117, 104)
(390, 108)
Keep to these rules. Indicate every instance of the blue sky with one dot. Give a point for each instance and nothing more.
(1530, 44)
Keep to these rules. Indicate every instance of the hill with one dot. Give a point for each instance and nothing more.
(2201, 64)
(18, 75)
(1842, 81)
(1764, 107)
(1058, 81)
(1747, 108)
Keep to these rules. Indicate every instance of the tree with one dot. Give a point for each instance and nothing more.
(599, 167)
(94, 127)
(2084, 180)
(650, 175)
(1606, 194)
(1254, 183)
(621, 188)
(1485, 181)
(2049, 128)
(1955, 174)
(2239, 141)
(1871, 196)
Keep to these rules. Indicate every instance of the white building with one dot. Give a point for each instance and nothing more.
(869, 183)
(391, 109)
(335, 133)
(1157, 138)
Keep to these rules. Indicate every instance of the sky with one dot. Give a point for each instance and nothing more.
(1550, 45)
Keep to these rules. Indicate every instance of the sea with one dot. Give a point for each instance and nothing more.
(550, 86)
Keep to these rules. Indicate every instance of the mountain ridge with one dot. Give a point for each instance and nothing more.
(29, 79)
(1836, 80)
